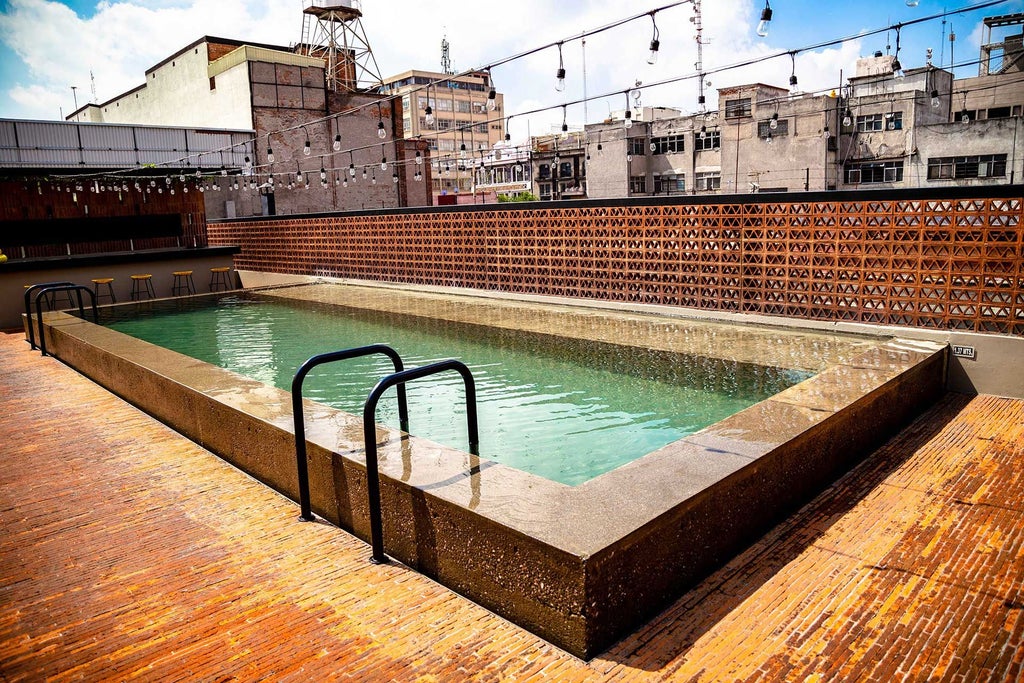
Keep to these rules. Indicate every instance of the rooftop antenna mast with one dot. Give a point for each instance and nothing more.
(699, 65)
(446, 59)
(332, 30)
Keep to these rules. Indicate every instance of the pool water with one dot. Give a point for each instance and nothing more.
(564, 409)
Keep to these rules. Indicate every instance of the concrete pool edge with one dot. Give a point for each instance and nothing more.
(578, 565)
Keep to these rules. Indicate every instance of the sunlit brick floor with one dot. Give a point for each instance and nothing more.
(128, 551)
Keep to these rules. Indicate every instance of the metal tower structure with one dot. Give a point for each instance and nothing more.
(332, 30)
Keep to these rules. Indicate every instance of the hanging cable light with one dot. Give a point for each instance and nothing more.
(383, 159)
(270, 152)
(381, 133)
(652, 58)
(774, 123)
(766, 20)
(428, 113)
(298, 173)
(492, 94)
(351, 165)
(897, 68)
(560, 74)
(337, 135)
(306, 149)
(565, 126)
(847, 118)
(792, 75)
(628, 114)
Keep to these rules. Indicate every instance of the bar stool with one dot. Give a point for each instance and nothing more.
(183, 283)
(97, 281)
(142, 284)
(219, 278)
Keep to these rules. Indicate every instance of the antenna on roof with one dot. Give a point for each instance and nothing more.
(446, 59)
(92, 81)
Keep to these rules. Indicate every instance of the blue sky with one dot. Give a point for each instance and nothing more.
(47, 46)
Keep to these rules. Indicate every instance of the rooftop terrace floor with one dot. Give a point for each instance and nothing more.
(129, 551)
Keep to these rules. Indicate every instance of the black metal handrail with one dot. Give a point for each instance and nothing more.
(28, 308)
(299, 419)
(370, 437)
(77, 289)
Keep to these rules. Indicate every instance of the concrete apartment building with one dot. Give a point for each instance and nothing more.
(457, 119)
(882, 130)
(283, 98)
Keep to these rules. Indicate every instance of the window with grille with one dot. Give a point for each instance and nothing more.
(977, 166)
(874, 172)
(737, 108)
(670, 183)
(765, 127)
(637, 184)
(636, 147)
(710, 139)
(708, 181)
(668, 144)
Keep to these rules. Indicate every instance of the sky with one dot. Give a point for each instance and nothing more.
(48, 46)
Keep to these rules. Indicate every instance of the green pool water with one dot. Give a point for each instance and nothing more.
(564, 409)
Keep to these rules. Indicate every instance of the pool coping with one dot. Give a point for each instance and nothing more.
(579, 565)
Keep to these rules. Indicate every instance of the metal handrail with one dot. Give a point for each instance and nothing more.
(370, 437)
(77, 289)
(299, 419)
(28, 308)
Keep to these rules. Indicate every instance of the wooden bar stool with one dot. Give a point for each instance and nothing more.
(219, 278)
(142, 284)
(183, 283)
(108, 281)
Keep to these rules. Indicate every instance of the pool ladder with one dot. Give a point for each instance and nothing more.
(396, 379)
(46, 291)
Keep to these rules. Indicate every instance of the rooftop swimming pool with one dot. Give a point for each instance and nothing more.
(561, 408)
(580, 565)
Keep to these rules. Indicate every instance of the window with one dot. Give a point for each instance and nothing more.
(544, 171)
(979, 166)
(545, 190)
(638, 184)
(710, 140)
(636, 147)
(765, 127)
(870, 123)
(875, 172)
(565, 169)
(670, 183)
(735, 109)
(709, 181)
(668, 144)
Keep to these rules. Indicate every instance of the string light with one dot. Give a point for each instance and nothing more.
(652, 58)
(628, 115)
(492, 94)
(381, 133)
(766, 20)
(306, 149)
(428, 113)
(897, 68)
(270, 151)
(337, 142)
(792, 75)
(560, 74)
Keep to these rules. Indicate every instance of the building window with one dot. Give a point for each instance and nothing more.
(765, 127)
(565, 169)
(870, 123)
(636, 147)
(638, 184)
(670, 183)
(980, 166)
(709, 181)
(712, 139)
(735, 109)
(874, 172)
(668, 144)
(544, 171)
(545, 190)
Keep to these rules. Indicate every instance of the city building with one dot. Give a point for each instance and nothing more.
(504, 174)
(560, 166)
(312, 148)
(460, 118)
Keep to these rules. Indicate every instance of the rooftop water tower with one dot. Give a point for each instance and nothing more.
(332, 30)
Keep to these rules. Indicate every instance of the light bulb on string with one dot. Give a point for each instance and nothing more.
(935, 98)
(792, 75)
(847, 118)
(419, 158)
(381, 132)
(913, 3)
(652, 57)
(774, 123)
(492, 94)
(337, 142)
(560, 73)
(627, 115)
(323, 174)
(766, 20)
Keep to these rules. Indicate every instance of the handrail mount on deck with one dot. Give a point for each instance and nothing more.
(370, 437)
(299, 419)
(77, 289)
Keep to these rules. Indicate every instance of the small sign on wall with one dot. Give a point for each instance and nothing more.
(964, 352)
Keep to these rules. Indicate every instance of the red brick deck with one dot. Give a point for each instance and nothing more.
(126, 551)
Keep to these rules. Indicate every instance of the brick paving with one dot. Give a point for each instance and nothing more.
(128, 552)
